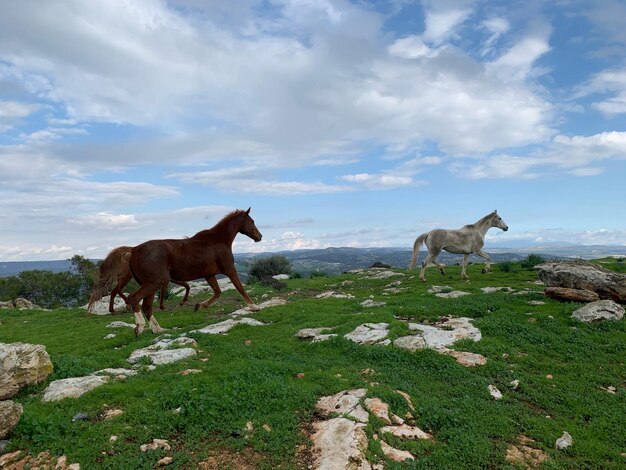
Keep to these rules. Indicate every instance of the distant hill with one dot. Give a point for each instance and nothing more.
(337, 260)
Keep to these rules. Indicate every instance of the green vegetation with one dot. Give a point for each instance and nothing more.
(251, 375)
(269, 266)
(532, 260)
(52, 290)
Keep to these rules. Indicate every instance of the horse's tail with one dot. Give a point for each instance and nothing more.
(114, 266)
(416, 249)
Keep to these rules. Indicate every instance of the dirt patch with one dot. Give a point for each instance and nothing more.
(222, 459)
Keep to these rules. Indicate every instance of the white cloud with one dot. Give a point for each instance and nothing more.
(314, 82)
(577, 155)
(517, 63)
(496, 27)
(11, 112)
(379, 181)
(246, 180)
(607, 82)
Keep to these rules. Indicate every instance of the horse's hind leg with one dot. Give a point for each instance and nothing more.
(431, 258)
(187, 289)
(117, 290)
(216, 294)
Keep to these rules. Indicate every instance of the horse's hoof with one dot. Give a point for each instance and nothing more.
(137, 332)
(196, 307)
(484, 271)
(254, 308)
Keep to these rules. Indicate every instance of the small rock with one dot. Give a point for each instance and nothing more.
(156, 444)
(10, 414)
(113, 438)
(564, 441)
(406, 432)
(80, 417)
(372, 303)
(112, 413)
(165, 461)
(267, 427)
(514, 384)
(378, 408)
(394, 454)
(549, 376)
(494, 392)
(190, 371)
(249, 426)
(248, 342)
(300, 375)
(110, 336)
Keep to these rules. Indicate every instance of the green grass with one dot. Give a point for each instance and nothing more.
(205, 414)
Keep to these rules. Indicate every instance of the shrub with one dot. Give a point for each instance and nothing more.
(318, 274)
(263, 267)
(505, 266)
(532, 260)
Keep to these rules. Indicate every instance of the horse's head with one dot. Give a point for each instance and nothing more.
(497, 221)
(248, 228)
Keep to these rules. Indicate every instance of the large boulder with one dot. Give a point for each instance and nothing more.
(575, 295)
(10, 413)
(22, 364)
(578, 275)
(600, 310)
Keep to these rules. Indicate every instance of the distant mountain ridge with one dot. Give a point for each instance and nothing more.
(335, 260)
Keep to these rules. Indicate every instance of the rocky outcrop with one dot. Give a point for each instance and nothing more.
(19, 303)
(370, 333)
(575, 295)
(22, 364)
(163, 351)
(10, 413)
(227, 325)
(577, 275)
(73, 387)
(598, 311)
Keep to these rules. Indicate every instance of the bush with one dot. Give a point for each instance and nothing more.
(506, 266)
(264, 267)
(318, 274)
(532, 260)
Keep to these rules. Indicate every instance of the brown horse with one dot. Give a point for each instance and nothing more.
(206, 254)
(104, 284)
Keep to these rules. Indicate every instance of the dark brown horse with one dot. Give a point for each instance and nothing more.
(206, 254)
(105, 283)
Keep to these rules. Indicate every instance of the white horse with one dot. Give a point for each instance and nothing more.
(466, 240)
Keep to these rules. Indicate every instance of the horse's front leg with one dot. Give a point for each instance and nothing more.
(146, 307)
(216, 294)
(463, 273)
(487, 267)
(234, 278)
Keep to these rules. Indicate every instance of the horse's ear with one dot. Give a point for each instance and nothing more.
(495, 211)
(248, 211)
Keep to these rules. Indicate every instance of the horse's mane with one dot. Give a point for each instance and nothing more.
(223, 221)
(481, 220)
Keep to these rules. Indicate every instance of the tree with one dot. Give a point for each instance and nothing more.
(263, 267)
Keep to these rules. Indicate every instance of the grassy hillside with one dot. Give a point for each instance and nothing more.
(251, 374)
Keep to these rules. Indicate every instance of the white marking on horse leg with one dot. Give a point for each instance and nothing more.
(140, 322)
(155, 327)
(463, 273)
(487, 259)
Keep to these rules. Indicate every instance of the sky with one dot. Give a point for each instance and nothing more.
(340, 123)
